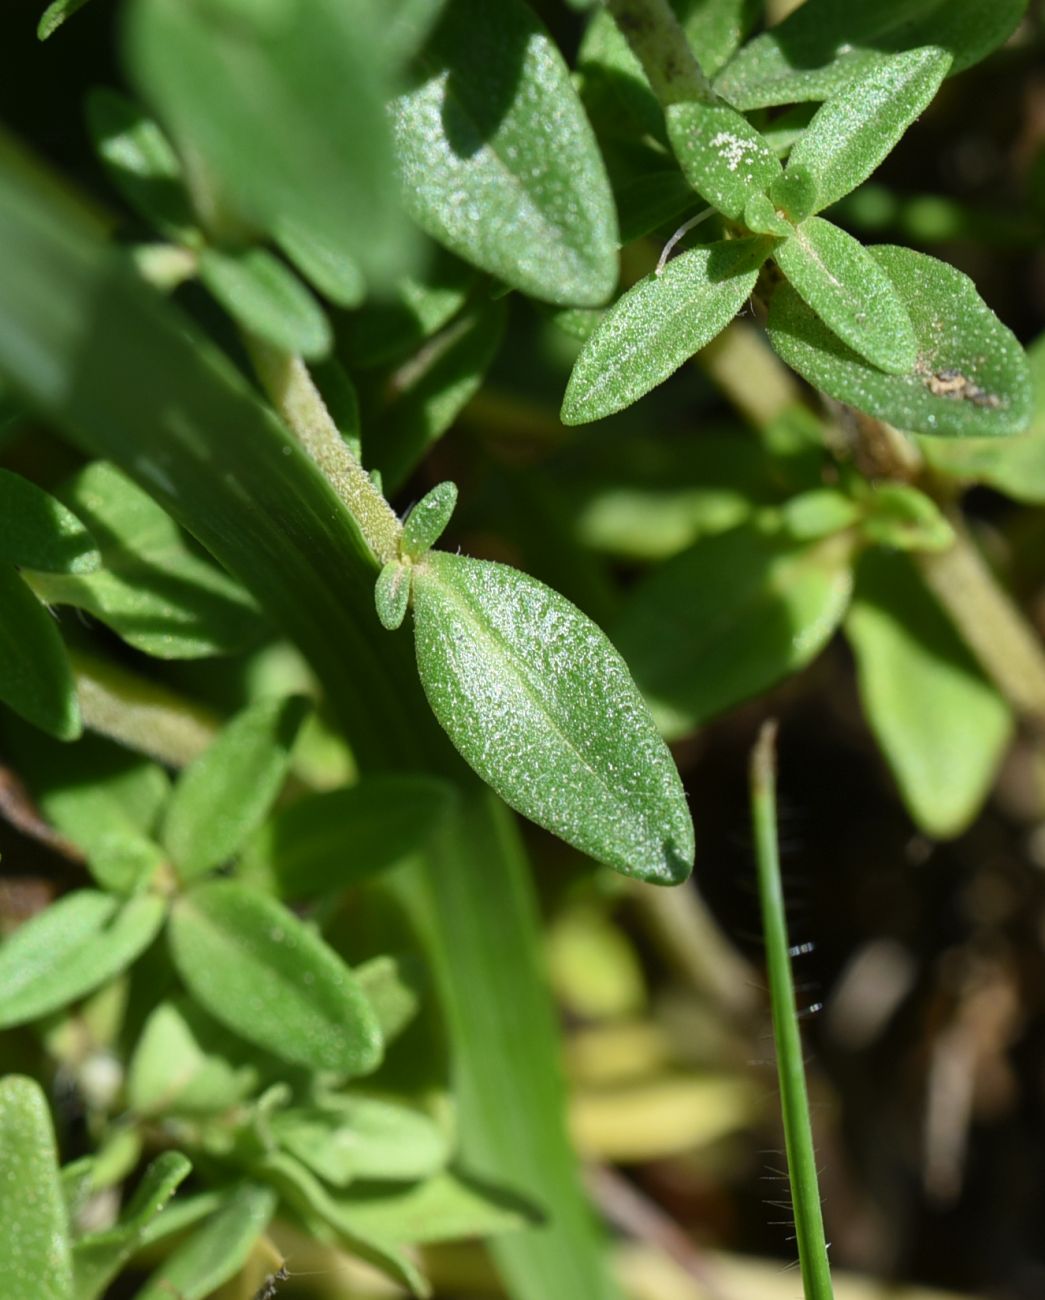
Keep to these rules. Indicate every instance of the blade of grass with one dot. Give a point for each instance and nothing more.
(794, 1098)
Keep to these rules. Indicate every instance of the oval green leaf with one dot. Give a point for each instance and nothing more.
(392, 594)
(269, 978)
(39, 532)
(66, 951)
(266, 298)
(971, 376)
(226, 793)
(854, 131)
(497, 159)
(336, 276)
(942, 726)
(34, 1232)
(722, 155)
(728, 618)
(426, 522)
(658, 325)
(850, 292)
(35, 678)
(540, 704)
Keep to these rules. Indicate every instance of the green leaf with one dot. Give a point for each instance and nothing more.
(853, 132)
(427, 520)
(971, 376)
(901, 517)
(266, 976)
(141, 163)
(394, 989)
(721, 154)
(443, 1208)
(716, 28)
(728, 618)
(225, 795)
(392, 594)
(266, 298)
(342, 838)
(424, 396)
(66, 951)
(39, 532)
(362, 1137)
(817, 51)
(818, 513)
(154, 591)
(282, 109)
(942, 726)
(336, 276)
(35, 678)
(99, 1256)
(54, 15)
(850, 292)
(658, 325)
(181, 1065)
(542, 707)
(34, 1233)
(216, 1251)
(483, 172)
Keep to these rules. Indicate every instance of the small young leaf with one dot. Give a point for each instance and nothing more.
(426, 522)
(362, 1137)
(154, 591)
(541, 705)
(141, 163)
(34, 1232)
(39, 532)
(658, 325)
(850, 292)
(215, 1252)
(970, 378)
(483, 172)
(392, 594)
(818, 513)
(54, 15)
(815, 53)
(853, 132)
(728, 618)
(266, 298)
(721, 154)
(942, 726)
(336, 276)
(35, 678)
(266, 976)
(761, 217)
(795, 192)
(66, 951)
(224, 796)
(99, 1256)
(901, 517)
(394, 988)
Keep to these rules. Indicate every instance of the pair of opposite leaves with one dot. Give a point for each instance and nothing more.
(538, 702)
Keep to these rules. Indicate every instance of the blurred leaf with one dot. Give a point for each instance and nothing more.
(34, 1233)
(820, 47)
(857, 128)
(266, 298)
(613, 84)
(141, 163)
(594, 967)
(716, 28)
(901, 517)
(154, 591)
(818, 513)
(72, 947)
(221, 798)
(39, 532)
(658, 325)
(394, 989)
(1015, 466)
(513, 672)
(443, 1208)
(854, 297)
(342, 837)
(728, 618)
(266, 976)
(99, 1256)
(35, 678)
(941, 724)
(971, 376)
(424, 396)
(336, 276)
(721, 154)
(54, 15)
(406, 24)
(481, 169)
(180, 1065)
(282, 106)
(216, 1251)
(350, 1137)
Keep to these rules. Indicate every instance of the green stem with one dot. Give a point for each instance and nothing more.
(794, 1099)
(292, 391)
(660, 45)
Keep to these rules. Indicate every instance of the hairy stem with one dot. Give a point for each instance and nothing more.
(659, 43)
